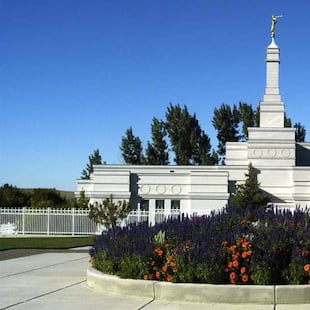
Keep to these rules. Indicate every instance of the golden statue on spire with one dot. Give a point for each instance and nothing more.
(274, 20)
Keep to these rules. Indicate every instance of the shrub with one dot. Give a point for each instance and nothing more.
(109, 213)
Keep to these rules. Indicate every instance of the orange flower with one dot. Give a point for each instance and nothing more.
(244, 254)
(307, 268)
(169, 278)
(145, 277)
(236, 256)
(232, 248)
(250, 252)
(164, 268)
(239, 241)
(169, 258)
(235, 263)
(243, 270)
(157, 249)
(160, 252)
(245, 244)
(224, 243)
(233, 276)
(245, 278)
(157, 274)
(173, 264)
(230, 265)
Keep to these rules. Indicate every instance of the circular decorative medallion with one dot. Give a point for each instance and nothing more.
(285, 153)
(176, 189)
(257, 153)
(160, 189)
(272, 153)
(145, 189)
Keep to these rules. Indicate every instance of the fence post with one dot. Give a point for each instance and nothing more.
(73, 214)
(48, 220)
(23, 220)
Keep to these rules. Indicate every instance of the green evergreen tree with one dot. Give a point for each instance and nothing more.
(94, 159)
(131, 149)
(157, 151)
(249, 194)
(109, 213)
(190, 144)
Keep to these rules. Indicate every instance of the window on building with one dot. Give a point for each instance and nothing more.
(144, 205)
(175, 205)
(160, 205)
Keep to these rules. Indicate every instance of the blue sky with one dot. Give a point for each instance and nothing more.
(75, 74)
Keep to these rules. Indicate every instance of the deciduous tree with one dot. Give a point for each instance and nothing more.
(13, 197)
(300, 135)
(47, 197)
(225, 121)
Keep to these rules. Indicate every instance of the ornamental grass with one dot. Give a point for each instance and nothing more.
(261, 247)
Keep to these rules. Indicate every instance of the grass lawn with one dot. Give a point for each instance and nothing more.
(44, 242)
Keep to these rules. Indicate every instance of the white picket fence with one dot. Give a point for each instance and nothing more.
(73, 222)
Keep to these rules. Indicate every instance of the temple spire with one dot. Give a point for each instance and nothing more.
(272, 107)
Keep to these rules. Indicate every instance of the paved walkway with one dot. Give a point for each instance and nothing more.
(58, 281)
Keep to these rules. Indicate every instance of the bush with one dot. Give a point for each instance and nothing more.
(231, 246)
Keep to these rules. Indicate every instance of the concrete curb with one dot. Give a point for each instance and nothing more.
(113, 284)
(200, 293)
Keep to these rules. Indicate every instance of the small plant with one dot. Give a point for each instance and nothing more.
(108, 213)
(160, 238)
(261, 274)
(294, 274)
(238, 257)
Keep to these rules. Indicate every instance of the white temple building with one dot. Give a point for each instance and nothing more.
(283, 167)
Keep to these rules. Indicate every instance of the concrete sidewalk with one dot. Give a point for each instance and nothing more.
(58, 281)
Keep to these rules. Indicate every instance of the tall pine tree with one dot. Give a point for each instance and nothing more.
(94, 159)
(157, 151)
(190, 144)
(131, 148)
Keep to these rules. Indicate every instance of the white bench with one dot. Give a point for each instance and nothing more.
(8, 229)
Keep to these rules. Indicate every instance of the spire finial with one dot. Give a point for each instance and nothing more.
(274, 20)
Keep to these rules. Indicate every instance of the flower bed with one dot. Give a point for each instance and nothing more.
(262, 247)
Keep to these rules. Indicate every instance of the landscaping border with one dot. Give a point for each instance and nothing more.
(200, 293)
